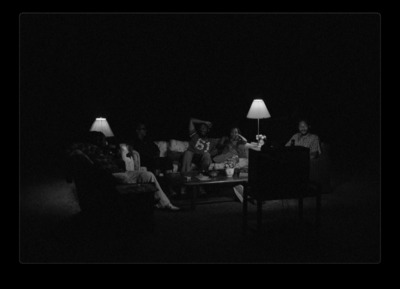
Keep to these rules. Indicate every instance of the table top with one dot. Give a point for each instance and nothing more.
(216, 180)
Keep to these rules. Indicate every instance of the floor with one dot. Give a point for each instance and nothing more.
(52, 231)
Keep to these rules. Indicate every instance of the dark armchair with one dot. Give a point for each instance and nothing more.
(101, 197)
(276, 174)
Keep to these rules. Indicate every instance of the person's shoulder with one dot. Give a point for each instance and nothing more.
(314, 136)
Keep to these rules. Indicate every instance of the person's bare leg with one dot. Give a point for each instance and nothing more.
(163, 201)
(186, 166)
(205, 164)
(187, 161)
(205, 161)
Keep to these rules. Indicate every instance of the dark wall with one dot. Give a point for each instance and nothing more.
(166, 68)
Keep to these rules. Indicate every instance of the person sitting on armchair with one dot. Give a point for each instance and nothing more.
(96, 148)
(306, 139)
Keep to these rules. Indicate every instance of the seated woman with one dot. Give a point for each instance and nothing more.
(234, 145)
(306, 139)
(99, 152)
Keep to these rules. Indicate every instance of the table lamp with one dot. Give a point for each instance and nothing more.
(101, 124)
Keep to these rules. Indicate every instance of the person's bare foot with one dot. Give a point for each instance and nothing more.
(169, 207)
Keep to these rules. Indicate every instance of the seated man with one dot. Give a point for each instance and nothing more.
(201, 147)
(319, 160)
(149, 151)
(98, 151)
(306, 139)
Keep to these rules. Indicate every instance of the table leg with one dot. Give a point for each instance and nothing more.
(318, 211)
(245, 192)
(259, 214)
(194, 198)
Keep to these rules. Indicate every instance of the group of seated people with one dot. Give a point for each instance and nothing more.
(202, 150)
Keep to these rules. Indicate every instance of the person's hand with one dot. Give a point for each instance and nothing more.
(208, 123)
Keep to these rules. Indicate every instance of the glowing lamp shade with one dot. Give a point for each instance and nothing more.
(101, 124)
(258, 110)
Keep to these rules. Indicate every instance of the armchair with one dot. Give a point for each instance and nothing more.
(276, 174)
(101, 197)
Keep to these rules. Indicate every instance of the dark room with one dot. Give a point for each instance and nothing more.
(211, 138)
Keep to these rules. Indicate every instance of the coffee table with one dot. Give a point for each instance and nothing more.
(195, 183)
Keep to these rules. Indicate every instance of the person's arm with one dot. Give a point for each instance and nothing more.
(195, 120)
(252, 146)
(242, 138)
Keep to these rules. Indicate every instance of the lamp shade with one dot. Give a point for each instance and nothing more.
(258, 110)
(101, 124)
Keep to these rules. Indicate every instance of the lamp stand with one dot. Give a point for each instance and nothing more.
(258, 126)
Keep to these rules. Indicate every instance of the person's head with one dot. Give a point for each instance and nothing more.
(204, 130)
(141, 130)
(304, 126)
(235, 131)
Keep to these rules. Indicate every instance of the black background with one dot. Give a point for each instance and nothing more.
(165, 68)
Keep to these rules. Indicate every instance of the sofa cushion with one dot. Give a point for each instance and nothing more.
(178, 146)
(172, 145)
(162, 146)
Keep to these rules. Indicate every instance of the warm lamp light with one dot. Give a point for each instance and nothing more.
(101, 124)
(258, 110)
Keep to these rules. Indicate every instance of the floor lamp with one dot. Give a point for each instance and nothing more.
(258, 110)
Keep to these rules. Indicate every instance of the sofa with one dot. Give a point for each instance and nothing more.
(174, 150)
